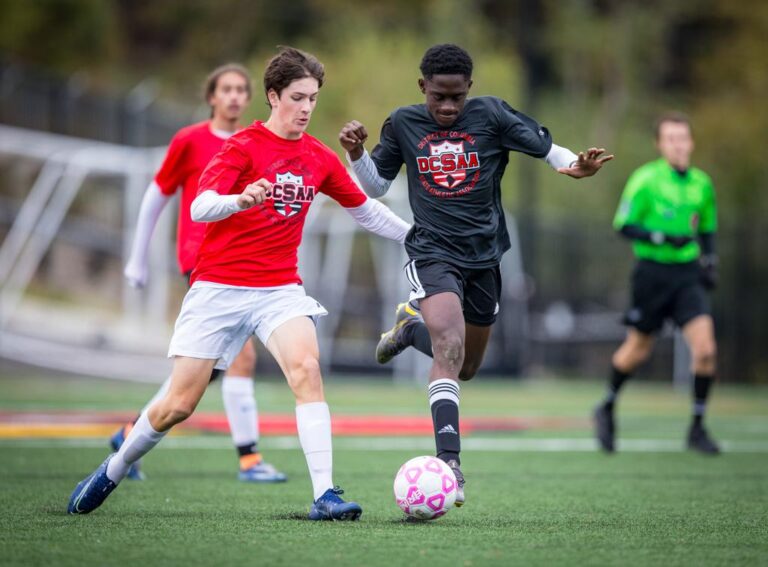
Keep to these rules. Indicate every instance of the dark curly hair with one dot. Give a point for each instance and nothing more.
(446, 59)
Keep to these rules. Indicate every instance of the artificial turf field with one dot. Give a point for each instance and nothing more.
(537, 496)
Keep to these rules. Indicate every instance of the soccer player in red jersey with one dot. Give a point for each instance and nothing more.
(255, 195)
(228, 92)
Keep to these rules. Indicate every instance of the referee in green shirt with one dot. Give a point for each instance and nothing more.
(668, 211)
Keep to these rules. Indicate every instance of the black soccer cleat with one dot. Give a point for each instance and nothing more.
(605, 428)
(699, 440)
(392, 343)
(459, 482)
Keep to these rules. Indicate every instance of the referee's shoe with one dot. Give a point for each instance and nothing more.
(605, 428)
(699, 440)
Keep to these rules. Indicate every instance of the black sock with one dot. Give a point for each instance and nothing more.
(702, 384)
(249, 449)
(615, 383)
(444, 403)
(417, 335)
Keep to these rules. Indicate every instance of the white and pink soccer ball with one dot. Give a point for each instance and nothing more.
(425, 488)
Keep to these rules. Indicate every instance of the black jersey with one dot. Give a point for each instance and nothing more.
(454, 176)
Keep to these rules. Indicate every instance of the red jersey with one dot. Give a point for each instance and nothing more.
(189, 152)
(258, 247)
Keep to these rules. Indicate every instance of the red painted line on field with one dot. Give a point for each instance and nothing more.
(12, 423)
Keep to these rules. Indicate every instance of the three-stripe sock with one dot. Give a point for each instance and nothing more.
(444, 403)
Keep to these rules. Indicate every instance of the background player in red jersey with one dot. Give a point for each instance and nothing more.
(255, 195)
(228, 92)
(455, 151)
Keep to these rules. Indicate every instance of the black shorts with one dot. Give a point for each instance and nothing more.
(665, 291)
(478, 289)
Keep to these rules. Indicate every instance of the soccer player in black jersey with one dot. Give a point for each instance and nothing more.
(455, 150)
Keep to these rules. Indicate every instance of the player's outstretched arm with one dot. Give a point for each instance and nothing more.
(587, 164)
(379, 219)
(137, 268)
(210, 206)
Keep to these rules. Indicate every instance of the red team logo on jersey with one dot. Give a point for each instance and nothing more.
(289, 193)
(448, 163)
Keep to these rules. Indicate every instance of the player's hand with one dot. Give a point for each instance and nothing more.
(710, 276)
(588, 163)
(677, 241)
(352, 137)
(254, 194)
(136, 274)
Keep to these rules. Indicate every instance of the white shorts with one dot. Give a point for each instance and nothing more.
(216, 320)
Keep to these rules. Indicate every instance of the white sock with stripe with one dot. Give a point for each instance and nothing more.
(444, 403)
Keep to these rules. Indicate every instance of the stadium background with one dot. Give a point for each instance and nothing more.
(594, 72)
(128, 73)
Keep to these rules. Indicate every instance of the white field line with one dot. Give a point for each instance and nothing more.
(542, 445)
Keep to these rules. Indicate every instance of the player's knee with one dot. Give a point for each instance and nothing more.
(704, 357)
(175, 411)
(449, 348)
(468, 370)
(305, 378)
(630, 356)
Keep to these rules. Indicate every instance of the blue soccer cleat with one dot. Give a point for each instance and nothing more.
(263, 472)
(91, 492)
(134, 471)
(330, 507)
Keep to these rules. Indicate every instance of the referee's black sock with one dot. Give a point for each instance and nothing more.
(417, 335)
(444, 403)
(615, 383)
(702, 384)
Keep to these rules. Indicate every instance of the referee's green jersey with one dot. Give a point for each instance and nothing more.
(658, 198)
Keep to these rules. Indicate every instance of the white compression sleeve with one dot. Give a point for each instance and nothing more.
(379, 219)
(209, 206)
(139, 442)
(560, 157)
(313, 422)
(240, 407)
(137, 270)
(372, 183)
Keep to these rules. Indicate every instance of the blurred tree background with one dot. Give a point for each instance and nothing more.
(596, 72)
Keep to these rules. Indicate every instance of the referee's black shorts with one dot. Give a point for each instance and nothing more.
(665, 291)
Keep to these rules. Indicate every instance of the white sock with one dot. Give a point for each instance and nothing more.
(139, 442)
(313, 421)
(159, 395)
(242, 412)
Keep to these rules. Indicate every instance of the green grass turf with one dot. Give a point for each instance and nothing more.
(523, 508)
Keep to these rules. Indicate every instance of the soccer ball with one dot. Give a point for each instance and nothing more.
(425, 488)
